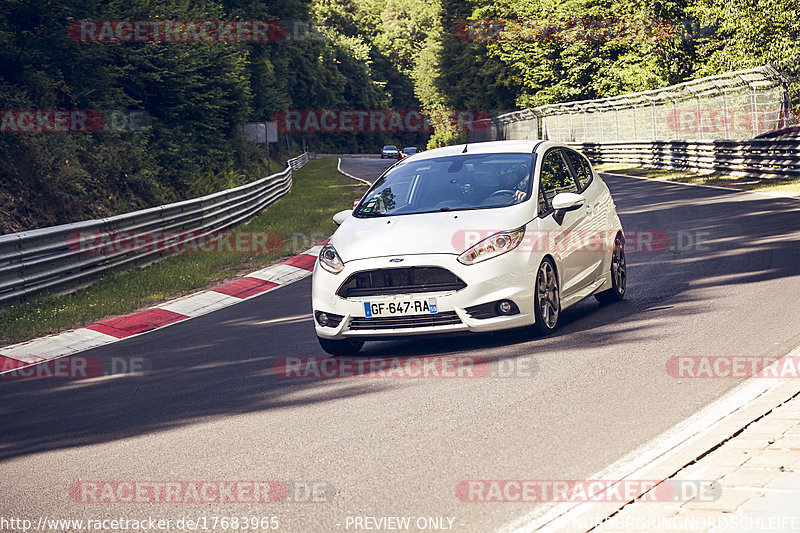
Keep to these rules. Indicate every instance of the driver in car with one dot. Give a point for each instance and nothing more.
(516, 180)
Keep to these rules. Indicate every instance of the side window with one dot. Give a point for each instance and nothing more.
(583, 172)
(555, 178)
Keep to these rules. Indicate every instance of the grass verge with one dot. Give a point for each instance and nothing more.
(303, 217)
(717, 178)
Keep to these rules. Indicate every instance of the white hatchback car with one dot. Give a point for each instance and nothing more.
(477, 237)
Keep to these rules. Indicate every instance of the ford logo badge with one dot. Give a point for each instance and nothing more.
(396, 260)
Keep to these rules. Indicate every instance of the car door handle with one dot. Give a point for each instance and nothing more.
(589, 208)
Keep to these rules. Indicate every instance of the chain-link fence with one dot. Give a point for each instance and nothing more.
(735, 105)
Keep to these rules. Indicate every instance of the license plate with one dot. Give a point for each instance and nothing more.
(401, 307)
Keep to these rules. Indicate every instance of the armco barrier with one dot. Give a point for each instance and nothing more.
(358, 156)
(774, 158)
(42, 259)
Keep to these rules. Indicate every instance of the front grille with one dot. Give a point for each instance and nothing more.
(406, 280)
(445, 318)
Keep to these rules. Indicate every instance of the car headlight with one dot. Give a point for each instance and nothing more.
(330, 260)
(492, 246)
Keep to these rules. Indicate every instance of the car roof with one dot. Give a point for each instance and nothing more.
(490, 147)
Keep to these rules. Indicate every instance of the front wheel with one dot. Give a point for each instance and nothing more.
(340, 347)
(619, 275)
(547, 303)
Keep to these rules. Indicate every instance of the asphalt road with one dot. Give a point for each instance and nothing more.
(210, 407)
(366, 169)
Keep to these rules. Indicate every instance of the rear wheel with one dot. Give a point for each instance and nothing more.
(619, 275)
(547, 302)
(340, 347)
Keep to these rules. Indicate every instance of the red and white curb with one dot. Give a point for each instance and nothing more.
(113, 329)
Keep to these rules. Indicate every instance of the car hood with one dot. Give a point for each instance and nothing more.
(426, 233)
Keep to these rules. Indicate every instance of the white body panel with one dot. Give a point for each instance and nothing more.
(437, 239)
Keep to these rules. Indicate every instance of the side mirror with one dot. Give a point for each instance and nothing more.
(341, 216)
(568, 201)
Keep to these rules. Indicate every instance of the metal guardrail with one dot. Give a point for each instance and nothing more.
(47, 259)
(358, 156)
(775, 158)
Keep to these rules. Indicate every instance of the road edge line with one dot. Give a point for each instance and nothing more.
(671, 451)
(719, 187)
(339, 168)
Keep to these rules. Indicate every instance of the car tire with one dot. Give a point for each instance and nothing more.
(340, 347)
(546, 298)
(619, 275)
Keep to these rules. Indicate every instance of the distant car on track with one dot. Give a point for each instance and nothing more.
(477, 237)
(407, 151)
(390, 152)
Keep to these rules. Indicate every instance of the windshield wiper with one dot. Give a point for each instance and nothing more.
(369, 214)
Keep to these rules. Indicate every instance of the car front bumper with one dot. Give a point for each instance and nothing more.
(507, 277)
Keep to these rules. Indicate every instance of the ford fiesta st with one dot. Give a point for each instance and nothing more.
(477, 237)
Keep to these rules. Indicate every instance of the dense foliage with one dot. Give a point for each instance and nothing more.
(367, 55)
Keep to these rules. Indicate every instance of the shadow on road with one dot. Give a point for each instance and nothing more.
(221, 364)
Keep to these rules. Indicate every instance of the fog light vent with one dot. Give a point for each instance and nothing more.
(493, 309)
(327, 319)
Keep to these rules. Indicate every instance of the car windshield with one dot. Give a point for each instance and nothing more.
(410, 150)
(469, 181)
(390, 148)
